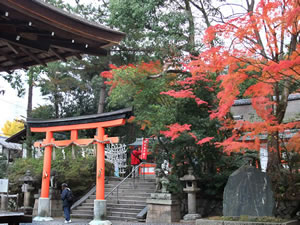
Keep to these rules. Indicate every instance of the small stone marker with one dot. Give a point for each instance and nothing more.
(248, 192)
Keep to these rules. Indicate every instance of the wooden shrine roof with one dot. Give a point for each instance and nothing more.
(102, 117)
(34, 32)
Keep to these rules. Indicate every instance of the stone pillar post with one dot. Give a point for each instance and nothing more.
(4, 202)
(191, 189)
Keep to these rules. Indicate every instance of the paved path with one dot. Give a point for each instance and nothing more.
(60, 221)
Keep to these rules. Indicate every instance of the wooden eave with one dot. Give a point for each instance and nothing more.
(33, 32)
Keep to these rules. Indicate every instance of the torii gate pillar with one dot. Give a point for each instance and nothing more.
(99, 122)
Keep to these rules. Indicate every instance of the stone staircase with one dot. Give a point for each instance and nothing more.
(131, 199)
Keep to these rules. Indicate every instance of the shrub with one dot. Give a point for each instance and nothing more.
(79, 173)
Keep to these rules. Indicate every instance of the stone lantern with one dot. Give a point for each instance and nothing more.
(27, 188)
(191, 189)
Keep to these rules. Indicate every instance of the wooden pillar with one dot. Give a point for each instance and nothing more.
(100, 165)
(74, 137)
(47, 166)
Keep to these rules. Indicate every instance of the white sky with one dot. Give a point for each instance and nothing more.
(12, 107)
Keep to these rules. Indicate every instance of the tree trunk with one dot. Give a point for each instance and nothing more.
(73, 152)
(274, 154)
(102, 98)
(29, 111)
(274, 157)
(56, 105)
(191, 26)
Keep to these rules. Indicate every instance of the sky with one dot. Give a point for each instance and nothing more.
(12, 106)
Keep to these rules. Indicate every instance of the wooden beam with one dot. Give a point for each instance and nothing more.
(31, 55)
(78, 56)
(68, 45)
(15, 61)
(57, 55)
(4, 69)
(80, 47)
(111, 123)
(12, 48)
(22, 42)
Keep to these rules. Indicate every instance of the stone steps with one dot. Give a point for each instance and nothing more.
(132, 196)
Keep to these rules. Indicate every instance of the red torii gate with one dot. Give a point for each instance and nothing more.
(73, 124)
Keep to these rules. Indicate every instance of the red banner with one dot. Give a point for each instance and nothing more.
(145, 148)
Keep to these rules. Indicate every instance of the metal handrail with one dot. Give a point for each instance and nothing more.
(117, 186)
(85, 197)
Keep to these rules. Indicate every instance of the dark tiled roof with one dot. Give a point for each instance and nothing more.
(9, 145)
(247, 101)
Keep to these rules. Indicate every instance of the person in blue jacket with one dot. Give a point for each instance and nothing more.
(66, 203)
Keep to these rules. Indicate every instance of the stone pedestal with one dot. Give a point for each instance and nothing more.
(43, 210)
(163, 208)
(100, 213)
(36, 205)
(55, 204)
(4, 202)
(27, 207)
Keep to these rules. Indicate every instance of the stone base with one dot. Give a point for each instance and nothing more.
(27, 210)
(44, 207)
(100, 213)
(40, 219)
(189, 217)
(100, 222)
(56, 209)
(35, 207)
(4, 202)
(162, 208)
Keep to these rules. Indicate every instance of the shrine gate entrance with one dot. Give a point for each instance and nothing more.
(73, 124)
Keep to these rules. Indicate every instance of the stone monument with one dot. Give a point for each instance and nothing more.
(163, 207)
(248, 192)
(191, 189)
(27, 188)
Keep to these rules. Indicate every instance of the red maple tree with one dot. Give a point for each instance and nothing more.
(262, 45)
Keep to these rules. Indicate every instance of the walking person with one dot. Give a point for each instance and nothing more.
(67, 198)
(135, 161)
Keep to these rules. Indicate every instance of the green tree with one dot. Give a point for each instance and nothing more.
(3, 167)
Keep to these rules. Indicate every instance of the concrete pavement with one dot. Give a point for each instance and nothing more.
(75, 221)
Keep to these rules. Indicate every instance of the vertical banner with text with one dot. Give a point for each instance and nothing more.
(144, 152)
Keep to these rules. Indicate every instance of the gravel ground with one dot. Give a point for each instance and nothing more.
(60, 221)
